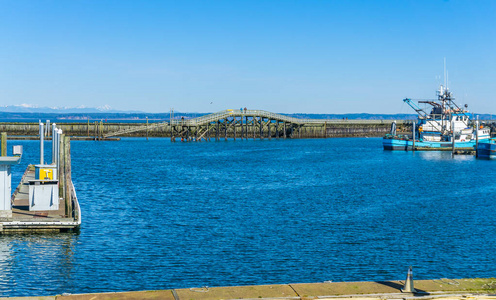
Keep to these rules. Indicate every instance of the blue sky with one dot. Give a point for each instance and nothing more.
(281, 56)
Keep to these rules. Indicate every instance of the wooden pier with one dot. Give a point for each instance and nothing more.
(257, 124)
(66, 218)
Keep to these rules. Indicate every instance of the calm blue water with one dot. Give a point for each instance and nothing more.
(159, 215)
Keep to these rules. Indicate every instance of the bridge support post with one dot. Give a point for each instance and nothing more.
(261, 128)
(284, 129)
(241, 126)
(234, 128)
(253, 119)
(225, 129)
(208, 132)
(268, 129)
(96, 130)
(217, 131)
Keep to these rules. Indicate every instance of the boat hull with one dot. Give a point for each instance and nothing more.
(406, 145)
(487, 150)
(396, 144)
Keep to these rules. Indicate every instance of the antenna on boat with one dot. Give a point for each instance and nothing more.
(447, 79)
(445, 71)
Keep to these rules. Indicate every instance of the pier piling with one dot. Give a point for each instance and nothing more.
(4, 143)
(67, 175)
(147, 128)
(413, 136)
(42, 136)
(477, 137)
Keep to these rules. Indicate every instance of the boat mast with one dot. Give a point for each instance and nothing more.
(445, 73)
(445, 124)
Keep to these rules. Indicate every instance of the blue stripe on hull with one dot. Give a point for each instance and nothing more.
(396, 144)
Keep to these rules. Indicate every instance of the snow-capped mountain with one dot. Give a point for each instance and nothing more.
(29, 108)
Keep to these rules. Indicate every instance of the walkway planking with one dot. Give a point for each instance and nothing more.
(20, 206)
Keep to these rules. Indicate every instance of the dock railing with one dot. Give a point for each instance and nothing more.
(266, 114)
(77, 208)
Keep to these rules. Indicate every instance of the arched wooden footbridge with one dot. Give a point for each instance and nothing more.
(242, 124)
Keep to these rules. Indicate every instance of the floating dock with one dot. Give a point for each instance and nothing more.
(45, 200)
(438, 289)
(65, 218)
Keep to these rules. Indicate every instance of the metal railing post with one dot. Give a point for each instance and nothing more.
(54, 129)
(42, 134)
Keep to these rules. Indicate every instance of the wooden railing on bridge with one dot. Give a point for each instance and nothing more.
(231, 113)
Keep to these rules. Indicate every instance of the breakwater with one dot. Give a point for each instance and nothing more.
(232, 126)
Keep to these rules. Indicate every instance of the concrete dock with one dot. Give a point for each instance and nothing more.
(439, 289)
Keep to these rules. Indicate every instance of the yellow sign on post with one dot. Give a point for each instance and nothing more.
(46, 174)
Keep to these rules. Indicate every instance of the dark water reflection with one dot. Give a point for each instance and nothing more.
(23, 257)
(159, 215)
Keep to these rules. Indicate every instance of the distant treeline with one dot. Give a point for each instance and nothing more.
(141, 117)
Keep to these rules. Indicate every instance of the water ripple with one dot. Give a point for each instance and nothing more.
(159, 215)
